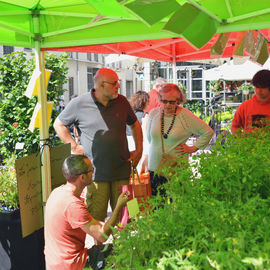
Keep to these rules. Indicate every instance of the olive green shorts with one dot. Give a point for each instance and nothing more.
(98, 195)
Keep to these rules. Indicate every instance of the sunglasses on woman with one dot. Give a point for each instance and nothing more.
(165, 101)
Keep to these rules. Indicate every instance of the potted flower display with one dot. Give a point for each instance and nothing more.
(16, 252)
(216, 86)
(245, 88)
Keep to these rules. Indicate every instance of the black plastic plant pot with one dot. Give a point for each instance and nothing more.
(17, 253)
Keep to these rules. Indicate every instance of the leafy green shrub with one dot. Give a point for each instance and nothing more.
(216, 214)
(16, 109)
(194, 106)
(227, 115)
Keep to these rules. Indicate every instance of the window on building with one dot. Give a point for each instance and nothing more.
(95, 57)
(88, 55)
(28, 49)
(71, 87)
(8, 49)
(90, 77)
(196, 95)
(162, 73)
(90, 81)
(197, 73)
(182, 77)
(129, 89)
(182, 74)
(197, 83)
(70, 55)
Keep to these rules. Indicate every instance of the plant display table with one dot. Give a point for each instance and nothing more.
(17, 253)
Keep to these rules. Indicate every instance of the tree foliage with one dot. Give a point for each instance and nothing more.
(16, 109)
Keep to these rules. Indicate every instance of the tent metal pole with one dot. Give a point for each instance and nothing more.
(229, 8)
(174, 64)
(204, 10)
(43, 117)
(174, 72)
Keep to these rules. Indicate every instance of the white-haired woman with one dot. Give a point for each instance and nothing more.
(174, 124)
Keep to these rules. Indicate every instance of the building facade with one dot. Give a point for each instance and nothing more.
(134, 73)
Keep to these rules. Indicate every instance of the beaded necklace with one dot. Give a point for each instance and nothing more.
(165, 135)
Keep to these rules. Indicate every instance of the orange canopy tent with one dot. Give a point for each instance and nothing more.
(174, 49)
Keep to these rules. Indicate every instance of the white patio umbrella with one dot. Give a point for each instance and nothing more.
(231, 72)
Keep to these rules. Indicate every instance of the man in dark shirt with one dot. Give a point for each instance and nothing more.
(101, 117)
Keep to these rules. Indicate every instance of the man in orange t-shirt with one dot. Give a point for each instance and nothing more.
(255, 113)
(67, 220)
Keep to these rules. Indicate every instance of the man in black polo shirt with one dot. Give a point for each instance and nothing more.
(101, 117)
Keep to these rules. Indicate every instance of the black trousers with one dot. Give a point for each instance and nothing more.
(156, 183)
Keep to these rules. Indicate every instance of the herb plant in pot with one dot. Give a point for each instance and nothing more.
(16, 252)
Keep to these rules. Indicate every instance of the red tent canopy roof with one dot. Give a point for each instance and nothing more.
(162, 49)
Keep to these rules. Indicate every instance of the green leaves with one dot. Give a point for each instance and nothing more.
(15, 73)
(8, 183)
(217, 218)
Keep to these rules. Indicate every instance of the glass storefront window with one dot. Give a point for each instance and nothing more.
(196, 95)
(196, 73)
(163, 73)
(196, 85)
(182, 74)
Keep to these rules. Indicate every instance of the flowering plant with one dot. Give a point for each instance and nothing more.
(216, 86)
(245, 87)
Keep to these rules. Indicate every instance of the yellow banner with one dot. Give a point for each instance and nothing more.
(34, 123)
(34, 84)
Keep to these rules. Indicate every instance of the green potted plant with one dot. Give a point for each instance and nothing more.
(16, 252)
(216, 86)
(245, 88)
(9, 201)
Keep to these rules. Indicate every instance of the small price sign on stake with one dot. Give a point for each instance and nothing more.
(133, 207)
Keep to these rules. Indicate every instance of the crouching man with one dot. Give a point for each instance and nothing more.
(67, 220)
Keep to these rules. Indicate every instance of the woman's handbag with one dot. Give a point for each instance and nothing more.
(166, 161)
(139, 187)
